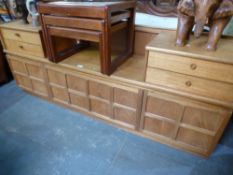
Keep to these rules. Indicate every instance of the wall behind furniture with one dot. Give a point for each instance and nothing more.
(152, 21)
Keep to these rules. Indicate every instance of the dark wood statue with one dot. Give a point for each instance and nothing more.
(22, 9)
(165, 8)
(214, 13)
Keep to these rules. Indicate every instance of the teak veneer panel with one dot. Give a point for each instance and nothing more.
(194, 138)
(77, 84)
(40, 87)
(23, 81)
(202, 118)
(18, 66)
(125, 115)
(29, 75)
(165, 108)
(196, 127)
(100, 107)
(79, 101)
(126, 97)
(99, 90)
(60, 94)
(159, 127)
(57, 78)
(35, 70)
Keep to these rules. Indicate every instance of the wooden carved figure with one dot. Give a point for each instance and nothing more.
(214, 13)
(21, 7)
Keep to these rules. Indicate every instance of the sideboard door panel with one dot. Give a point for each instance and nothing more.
(24, 82)
(185, 123)
(201, 118)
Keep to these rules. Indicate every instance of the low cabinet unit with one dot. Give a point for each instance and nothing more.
(184, 123)
(110, 101)
(29, 75)
(182, 97)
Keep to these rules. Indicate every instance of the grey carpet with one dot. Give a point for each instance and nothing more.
(39, 138)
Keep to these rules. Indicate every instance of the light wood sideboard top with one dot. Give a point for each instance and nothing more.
(19, 25)
(165, 42)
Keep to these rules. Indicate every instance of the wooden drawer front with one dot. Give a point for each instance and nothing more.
(126, 97)
(208, 88)
(39, 88)
(79, 101)
(18, 67)
(81, 23)
(202, 118)
(35, 70)
(99, 90)
(60, 94)
(77, 84)
(28, 37)
(24, 82)
(56, 77)
(190, 66)
(24, 48)
(163, 108)
(156, 126)
(125, 115)
(100, 107)
(194, 138)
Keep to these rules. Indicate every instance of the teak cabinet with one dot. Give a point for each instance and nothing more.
(182, 102)
(192, 70)
(29, 75)
(189, 124)
(110, 101)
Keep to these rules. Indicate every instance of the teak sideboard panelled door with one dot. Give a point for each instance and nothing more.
(109, 101)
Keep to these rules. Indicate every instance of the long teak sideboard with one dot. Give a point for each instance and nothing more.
(160, 96)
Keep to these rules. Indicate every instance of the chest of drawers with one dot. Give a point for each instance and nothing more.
(205, 77)
(22, 40)
(192, 70)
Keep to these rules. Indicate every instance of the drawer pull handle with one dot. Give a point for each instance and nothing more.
(193, 66)
(188, 83)
(21, 47)
(17, 34)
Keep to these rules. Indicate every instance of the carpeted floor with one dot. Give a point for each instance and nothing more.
(39, 138)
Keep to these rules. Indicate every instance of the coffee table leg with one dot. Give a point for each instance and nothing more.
(105, 49)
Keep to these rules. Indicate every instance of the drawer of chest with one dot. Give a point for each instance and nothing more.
(28, 37)
(194, 85)
(24, 48)
(191, 66)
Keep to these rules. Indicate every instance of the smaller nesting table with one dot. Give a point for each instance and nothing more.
(71, 26)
